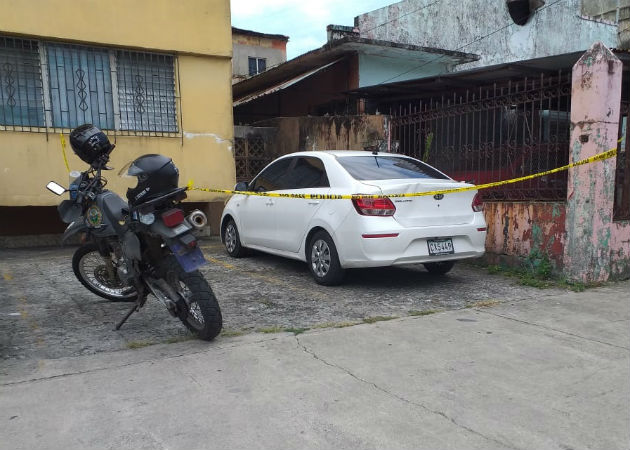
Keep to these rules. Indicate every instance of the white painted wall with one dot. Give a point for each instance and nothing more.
(450, 24)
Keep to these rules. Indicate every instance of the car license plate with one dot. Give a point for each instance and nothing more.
(440, 246)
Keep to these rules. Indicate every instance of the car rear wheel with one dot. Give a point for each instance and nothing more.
(439, 268)
(232, 240)
(323, 260)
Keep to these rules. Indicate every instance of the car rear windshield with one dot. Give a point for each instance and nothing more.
(374, 167)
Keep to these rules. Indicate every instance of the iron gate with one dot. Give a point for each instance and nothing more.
(494, 132)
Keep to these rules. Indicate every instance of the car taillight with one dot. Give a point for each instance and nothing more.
(374, 206)
(173, 217)
(477, 203)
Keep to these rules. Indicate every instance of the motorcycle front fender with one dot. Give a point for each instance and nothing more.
(75, 227)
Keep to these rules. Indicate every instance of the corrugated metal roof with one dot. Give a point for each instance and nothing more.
(282, 85)
(332, 51)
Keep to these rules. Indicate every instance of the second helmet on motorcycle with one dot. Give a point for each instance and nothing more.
(156, 174)
(89, 143)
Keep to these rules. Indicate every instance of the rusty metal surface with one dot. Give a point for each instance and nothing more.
(493, 133)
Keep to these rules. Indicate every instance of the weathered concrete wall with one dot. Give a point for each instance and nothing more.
(516, 229)
(450, 24)
(595, 104)
(620, 250)
(244, 46)
(326, 133)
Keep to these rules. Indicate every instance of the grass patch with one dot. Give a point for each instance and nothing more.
(231, 333)
(375, 319)
(537, 271)
(267, 303)
(484, 304)
(336, 324)
(269, 330)
(426, 312)
(132, 345)
(176, 339)
(295, 331)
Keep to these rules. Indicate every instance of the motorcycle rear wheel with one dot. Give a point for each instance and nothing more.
(198, 308)
(90, 269)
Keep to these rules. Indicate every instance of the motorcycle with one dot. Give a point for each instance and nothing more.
(132, 249)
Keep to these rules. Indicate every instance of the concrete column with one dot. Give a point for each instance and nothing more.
(595, 103)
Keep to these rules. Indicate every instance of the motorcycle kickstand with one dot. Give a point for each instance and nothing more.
(133, 309)
(136, 307)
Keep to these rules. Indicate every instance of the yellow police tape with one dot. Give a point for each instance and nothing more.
(599, 157)
(63, 150)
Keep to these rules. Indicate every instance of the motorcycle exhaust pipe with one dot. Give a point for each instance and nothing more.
(197, 219)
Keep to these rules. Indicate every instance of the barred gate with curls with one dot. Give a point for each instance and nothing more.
(493, 133)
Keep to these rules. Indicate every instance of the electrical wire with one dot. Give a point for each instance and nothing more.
(401, 16)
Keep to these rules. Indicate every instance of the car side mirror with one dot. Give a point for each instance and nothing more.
(241, 186)
(55, 188)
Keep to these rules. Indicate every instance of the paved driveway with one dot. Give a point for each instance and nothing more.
(46, 312)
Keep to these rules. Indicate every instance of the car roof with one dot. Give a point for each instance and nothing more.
(337, 153)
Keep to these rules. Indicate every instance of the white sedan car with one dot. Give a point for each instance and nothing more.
(333, 235)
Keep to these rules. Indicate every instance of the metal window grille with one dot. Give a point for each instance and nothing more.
(21, 93)
(146, 92)
(494, 133)
(80, 86)
(46, 85)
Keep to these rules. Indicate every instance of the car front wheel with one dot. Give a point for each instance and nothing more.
(232, 240)
(323, 260)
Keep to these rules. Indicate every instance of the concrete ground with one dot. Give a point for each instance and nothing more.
(47, 313)
(534, 369)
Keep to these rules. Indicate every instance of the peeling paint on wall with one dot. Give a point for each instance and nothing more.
(516, 229)
(595, 102)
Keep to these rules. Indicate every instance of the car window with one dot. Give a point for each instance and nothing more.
(376, 167)
(307, 172)
(273, 177)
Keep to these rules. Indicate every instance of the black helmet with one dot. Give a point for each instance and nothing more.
(89, 143)
(157, 175)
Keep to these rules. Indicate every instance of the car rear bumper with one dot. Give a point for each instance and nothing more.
(409, 246)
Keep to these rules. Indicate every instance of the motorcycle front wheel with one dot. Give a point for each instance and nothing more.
(198, 308)
(92, 270)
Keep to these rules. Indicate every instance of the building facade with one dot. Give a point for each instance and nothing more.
(499, 31)
(256, 52)
(112, 64)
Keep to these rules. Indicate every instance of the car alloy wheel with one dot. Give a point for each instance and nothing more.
(230, 237)
(320, 258)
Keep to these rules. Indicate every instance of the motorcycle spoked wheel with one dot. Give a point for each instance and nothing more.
(90, 269)
(198, 308)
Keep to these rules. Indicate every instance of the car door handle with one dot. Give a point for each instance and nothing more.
(269, 202)
(316, 202)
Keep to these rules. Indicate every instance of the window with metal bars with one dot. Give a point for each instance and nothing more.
(52, 85)
(20, 83)
(146, 94)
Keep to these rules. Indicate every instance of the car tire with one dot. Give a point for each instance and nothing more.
(232, 240)
(323, 260)
(439, 268)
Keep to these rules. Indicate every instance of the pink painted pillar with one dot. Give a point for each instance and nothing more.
(595, 103)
